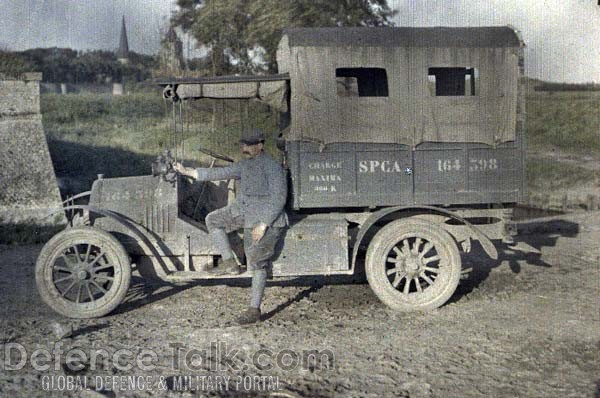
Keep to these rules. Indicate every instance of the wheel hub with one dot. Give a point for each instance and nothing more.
(412, 264)
(81, 272)
(82, 275)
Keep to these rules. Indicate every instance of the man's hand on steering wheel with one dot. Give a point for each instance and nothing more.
(191, 172)
(186, 171)
(259, 231)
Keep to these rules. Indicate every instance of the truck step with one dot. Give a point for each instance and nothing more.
(180, 276)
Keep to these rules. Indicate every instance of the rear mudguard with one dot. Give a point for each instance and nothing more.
(476, 234)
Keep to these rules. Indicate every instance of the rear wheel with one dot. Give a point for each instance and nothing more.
(83, 272)
(413, 265)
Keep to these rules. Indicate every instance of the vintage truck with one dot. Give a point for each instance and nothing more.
(406, 142)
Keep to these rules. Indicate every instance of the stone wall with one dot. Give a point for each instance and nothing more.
(28, 189)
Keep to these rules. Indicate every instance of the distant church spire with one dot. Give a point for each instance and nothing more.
(123, 51)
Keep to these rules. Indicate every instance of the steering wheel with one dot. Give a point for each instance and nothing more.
(202, 190)
(215, 155)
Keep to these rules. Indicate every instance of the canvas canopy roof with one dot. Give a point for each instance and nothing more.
(271, 89)
(494, 36)
(402, 71)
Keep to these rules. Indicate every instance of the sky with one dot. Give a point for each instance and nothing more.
(562, 36)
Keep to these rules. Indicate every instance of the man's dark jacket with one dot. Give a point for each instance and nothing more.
(263, 189)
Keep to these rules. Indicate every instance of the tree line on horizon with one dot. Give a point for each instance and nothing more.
(65, 65)
(240, 36)
(558, 86)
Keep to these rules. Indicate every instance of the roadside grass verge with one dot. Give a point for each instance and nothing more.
(547, 176)
(569, 122)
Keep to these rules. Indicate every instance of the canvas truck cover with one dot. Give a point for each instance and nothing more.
(407, 108)
(271, 89)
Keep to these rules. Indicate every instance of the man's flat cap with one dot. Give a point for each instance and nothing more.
(252, 137)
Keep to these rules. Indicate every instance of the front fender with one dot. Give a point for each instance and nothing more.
(150, 247)
(106, 213)
(485, 242)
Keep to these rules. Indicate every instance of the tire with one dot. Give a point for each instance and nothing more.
(392, 263)
(83, 272)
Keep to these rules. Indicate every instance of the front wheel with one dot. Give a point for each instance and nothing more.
(83, 272)
(413, 265)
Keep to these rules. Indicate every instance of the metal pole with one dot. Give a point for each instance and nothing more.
(182, 126)
(174, 132)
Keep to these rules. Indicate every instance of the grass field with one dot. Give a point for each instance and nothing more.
(567, 121)
(89, 134)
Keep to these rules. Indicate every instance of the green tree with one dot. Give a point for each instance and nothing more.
(14, 64)
(230, 29)
(221, 26)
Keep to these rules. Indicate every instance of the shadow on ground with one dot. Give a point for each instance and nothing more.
(536, 234)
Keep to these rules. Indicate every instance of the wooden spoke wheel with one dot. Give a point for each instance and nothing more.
(413, 265)
(83, 272)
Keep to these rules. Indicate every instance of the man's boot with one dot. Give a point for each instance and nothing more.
(251, 315)
(227, 267)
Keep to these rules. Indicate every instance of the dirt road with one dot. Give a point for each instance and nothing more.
(526, 325)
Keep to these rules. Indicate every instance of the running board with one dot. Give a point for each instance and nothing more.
(183, 276)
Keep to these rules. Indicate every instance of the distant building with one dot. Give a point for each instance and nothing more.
(123, 50)
(122, 57)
